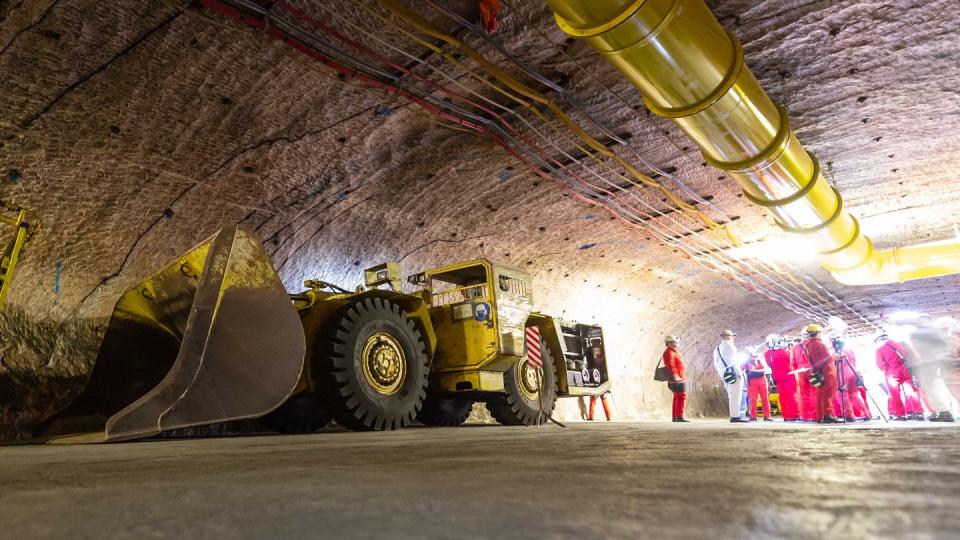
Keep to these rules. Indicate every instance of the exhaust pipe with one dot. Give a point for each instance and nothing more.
(691, 70)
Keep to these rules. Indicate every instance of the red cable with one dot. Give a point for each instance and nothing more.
(276, 33)
(316, 23)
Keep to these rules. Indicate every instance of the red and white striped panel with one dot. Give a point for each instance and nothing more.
(534, 354)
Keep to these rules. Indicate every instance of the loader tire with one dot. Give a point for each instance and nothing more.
(302, 413)
(447, 412)
(520, 406)
(372, 366)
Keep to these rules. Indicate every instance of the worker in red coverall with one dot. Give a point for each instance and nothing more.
(756, 369)
(678, 374)
(890, 359)
(848, 401)
(807, 396)
(781, 367)
(821, 364)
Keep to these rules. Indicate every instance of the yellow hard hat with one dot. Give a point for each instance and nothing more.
(814, 329)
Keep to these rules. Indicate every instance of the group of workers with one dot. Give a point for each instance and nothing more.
(820, 382)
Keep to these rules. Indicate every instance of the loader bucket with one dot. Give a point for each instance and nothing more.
(211, 337)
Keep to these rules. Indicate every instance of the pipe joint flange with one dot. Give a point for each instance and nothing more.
(721, 90)
(819, 227)
(865, 260)
(601, 28)
(651, 35)
(794, 197)
(767, 156)
(853, 239)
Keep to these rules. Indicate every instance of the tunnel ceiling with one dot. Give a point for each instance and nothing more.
(134, 130)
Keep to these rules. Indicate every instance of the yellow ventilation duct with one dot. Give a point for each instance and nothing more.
(691, 70)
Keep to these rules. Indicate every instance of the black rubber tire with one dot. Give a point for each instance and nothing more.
(302, 413)
(514, 409)
(448, 412)
(338, 370)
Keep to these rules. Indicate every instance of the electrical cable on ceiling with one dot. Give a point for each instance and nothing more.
(570, 97)
(530, 93)
(804, 287)
(623, 101)
(476, 124)
(562, 91)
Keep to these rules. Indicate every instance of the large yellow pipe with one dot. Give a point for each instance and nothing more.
(691, 70)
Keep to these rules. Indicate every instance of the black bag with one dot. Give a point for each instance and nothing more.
(677, 386)
(661, 373)
(730, 375)
(816, 376)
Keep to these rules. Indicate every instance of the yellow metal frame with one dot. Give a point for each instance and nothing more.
(464, 345)
(23, 232)
(691, 70)
(466, 355)
(471, 351)
(481, 380)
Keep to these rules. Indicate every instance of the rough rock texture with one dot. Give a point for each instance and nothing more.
(137, 129)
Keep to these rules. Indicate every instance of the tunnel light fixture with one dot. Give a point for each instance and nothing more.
(838, 325)
(905, 316)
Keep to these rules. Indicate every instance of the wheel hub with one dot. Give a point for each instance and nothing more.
(529, 379)
(384, 363)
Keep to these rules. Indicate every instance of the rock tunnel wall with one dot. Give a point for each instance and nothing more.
(136, 130)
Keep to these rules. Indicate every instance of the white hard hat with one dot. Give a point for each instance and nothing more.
(772, 340)
(671, 339)
(728, 333)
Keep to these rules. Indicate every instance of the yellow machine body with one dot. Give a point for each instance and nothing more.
(479, 311)
(213, 337)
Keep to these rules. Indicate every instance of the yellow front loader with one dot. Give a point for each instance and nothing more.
(214, 337)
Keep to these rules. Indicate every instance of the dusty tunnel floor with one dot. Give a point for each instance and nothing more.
(706, 479)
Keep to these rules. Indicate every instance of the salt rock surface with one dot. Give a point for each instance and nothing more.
(137, 129)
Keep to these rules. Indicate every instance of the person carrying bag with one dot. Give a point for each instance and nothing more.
(823, 374)
(674, 372)
(724, 361)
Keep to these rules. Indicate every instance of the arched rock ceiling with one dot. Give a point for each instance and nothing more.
(137, 129)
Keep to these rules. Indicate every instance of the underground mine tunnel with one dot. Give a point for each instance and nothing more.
(479, 268)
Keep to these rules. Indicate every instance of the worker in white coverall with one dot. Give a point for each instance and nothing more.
(727, 366)
(935, 349)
